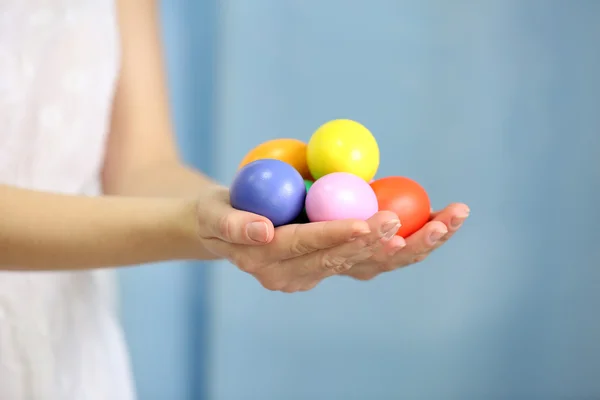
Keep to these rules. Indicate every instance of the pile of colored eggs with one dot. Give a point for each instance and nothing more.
(330, 178)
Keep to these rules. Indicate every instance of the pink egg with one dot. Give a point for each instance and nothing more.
(340, 195)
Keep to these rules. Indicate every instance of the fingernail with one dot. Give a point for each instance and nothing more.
(397, 249)
(360, 233)
(437, 235)
(258, 231)
(389, 229)
(457, 221)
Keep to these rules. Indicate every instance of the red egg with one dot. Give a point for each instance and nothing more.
(407, 199)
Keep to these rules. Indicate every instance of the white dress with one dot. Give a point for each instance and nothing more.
(60, 337)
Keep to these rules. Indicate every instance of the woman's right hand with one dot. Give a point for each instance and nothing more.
(289, 258)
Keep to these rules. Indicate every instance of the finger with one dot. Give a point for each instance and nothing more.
(390, 248)
(416, 247)
(381, 261)
(305, 271)
(443, 224)
(233, 226)
(424, 240)
(296, 240)
(453, 217)
(323, 263)
(454, 214)
(400, 252)
(384, 226)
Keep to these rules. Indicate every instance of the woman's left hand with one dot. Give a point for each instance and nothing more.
(397, 252)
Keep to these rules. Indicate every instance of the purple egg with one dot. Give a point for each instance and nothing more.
(271, 188)
(340, 195)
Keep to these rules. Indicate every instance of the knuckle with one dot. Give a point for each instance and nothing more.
(299, 247)
(247, 266)
(365, 276)
(419, 258)
(366, 241)
(245, 263)
(335, 264)
(443, 239)
(273, 285)
(322, 235)
(225, 226)
(388, 266)
(239, 260)
(328, 262)
(308, 287)
(344, 267)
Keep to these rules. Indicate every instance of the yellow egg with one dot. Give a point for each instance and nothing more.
(343, 145)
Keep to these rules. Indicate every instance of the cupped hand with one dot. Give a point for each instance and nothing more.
(398, 252)
(294, 257)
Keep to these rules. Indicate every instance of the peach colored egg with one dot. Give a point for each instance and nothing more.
(291, 151)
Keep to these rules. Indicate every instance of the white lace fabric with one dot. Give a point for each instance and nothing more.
(59, 333)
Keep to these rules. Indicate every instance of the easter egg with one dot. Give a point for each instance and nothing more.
(308, 184)
(271, 188)
(291, 151)
(407, 199)
(303, 218)
(340, 195)
(343, 145)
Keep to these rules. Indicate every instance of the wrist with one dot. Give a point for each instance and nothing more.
(181, 229)
(184, 226)
(184, 218)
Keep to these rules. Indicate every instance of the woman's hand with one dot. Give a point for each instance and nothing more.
(297, 257)
(293, 257)
(397, 252)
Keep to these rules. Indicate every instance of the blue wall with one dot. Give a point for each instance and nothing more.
(493, 103)
(165, 307)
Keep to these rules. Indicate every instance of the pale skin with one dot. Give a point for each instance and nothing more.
(154, 208)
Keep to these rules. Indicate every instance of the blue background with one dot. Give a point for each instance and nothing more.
(493, 103)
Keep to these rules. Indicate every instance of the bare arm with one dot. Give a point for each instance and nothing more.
(145, 216)
(41, 231)
(142, 158)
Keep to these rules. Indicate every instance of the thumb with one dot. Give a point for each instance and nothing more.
(237, 227)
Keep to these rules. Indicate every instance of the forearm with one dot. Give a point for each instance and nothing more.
(42, 231)
(170, 179)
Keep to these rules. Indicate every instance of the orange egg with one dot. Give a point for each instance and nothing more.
(291, 151)
(407, 199)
